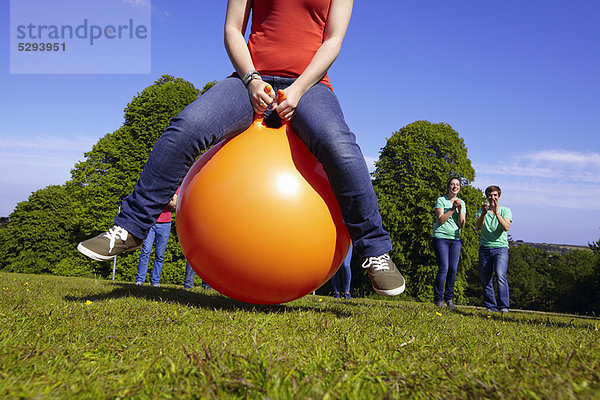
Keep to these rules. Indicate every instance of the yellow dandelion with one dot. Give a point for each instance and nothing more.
(88, 302)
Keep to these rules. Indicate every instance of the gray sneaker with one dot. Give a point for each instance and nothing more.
(450, 304)
(109, 244)
(385, 277)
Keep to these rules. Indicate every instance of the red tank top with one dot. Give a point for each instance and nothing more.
(285, 34)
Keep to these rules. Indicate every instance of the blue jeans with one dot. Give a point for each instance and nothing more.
(160, 232)
(340, 281)
(188, 281)
(225, 111)
(494, 260)
(447, 253)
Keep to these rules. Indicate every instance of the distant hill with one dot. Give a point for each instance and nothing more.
(550, 248)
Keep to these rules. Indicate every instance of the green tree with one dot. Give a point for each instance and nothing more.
(33, 241)
(530, 278)
(411, 173)
(576, 274)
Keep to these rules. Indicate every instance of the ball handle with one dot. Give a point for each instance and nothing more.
(280, 98)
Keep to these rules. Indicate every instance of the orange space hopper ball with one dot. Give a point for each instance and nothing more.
(257, 219)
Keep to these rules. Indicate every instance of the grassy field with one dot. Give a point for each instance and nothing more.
(93, 339)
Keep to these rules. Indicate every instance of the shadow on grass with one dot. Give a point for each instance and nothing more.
(209, 299)
(525, 318)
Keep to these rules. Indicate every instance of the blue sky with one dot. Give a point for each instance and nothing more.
(519, 81)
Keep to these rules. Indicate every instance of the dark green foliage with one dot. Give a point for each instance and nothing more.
(31, 242)
(530, 278)
(577, 284)
(411, 173)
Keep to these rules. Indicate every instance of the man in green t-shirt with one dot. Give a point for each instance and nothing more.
(494, 222)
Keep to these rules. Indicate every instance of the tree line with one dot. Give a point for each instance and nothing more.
(41, 234)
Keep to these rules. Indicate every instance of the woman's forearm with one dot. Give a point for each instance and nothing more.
(442, 216)
(236, 21)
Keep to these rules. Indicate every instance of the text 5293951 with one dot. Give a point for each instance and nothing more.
(42, 46)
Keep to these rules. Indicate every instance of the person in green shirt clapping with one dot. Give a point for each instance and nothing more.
(494, 222)
(450, 214)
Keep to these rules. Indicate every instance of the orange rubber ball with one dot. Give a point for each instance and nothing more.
(257, 219)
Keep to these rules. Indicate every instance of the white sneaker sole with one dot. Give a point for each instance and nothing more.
(93, 255)
(390, 292)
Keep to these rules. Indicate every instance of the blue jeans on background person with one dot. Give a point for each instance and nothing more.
(159, 232)
(494, 260)
(447, 252)
(225, 111)
(340, 281)
(190, 274)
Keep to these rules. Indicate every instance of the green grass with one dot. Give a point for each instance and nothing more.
(85, 338)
